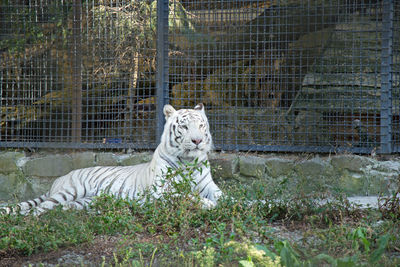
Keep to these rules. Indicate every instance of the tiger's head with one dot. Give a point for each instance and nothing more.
(186, 132)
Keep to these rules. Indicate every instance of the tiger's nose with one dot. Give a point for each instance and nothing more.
(197, 141)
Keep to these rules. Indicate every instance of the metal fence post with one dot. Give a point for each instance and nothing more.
(386, 77)
(162, 64)
(76, 101)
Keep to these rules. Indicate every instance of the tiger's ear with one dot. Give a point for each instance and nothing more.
(168, 111)
(199, 107)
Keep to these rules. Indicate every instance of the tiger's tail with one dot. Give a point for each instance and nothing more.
(25, 206)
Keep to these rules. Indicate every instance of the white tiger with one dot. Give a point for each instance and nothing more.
(186, 136)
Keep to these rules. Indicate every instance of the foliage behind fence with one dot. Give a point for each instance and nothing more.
(316, 75)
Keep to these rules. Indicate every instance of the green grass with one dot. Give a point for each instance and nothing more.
(245, 229)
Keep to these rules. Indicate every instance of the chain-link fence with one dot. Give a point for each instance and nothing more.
(316, 75)
(394, 79)
(78, 73)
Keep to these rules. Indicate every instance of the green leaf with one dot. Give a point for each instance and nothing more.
(245, 263)
(346, 262)
(267, 251)
(325, 257)
(288, 256)
(377, 254)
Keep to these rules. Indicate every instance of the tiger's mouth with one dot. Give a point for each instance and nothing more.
(194, 150)
(189, 154)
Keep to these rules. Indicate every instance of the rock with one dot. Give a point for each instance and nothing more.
(8, 185)
(29, 177)
(252, 166)
(352, 163)
(365, 201)
(312, 176)
(278, 167)
(223, 165)
(390, 166)
(83, 160)
(67, 258)
(8, 161)
(14, 187)
(48, 166)
(135, 159)
(376, 185)
(106, 159)
(38, 187)
(313, 167)
(352, 185)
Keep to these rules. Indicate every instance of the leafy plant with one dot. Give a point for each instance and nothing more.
(254, 255)
(390, 206)
(359, 235)
(174, 230)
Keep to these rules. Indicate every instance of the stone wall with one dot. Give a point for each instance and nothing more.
(24, 176)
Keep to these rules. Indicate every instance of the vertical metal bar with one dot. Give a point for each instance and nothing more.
(76, 102)
(386, 77)
(162, 64)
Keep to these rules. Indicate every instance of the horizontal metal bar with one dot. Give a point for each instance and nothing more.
(310, 149)
(226, 147)
(75, 145)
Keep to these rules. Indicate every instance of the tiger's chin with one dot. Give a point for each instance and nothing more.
(195, 153)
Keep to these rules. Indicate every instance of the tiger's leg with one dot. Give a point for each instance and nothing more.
(51, 202)
(207, 187)
(60, 198)
(78, 204)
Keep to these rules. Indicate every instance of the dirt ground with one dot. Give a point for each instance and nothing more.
(92, 254)
(86, 254)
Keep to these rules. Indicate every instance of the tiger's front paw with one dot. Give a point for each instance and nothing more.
(208, 204)
(217, 195)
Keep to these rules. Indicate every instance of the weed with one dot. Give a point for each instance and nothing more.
(174, 230)
(390, 206)
(252, 255)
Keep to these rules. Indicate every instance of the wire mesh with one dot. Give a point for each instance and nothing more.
(274, 75)
(396, 78)
(78, 73)
(283, 75)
